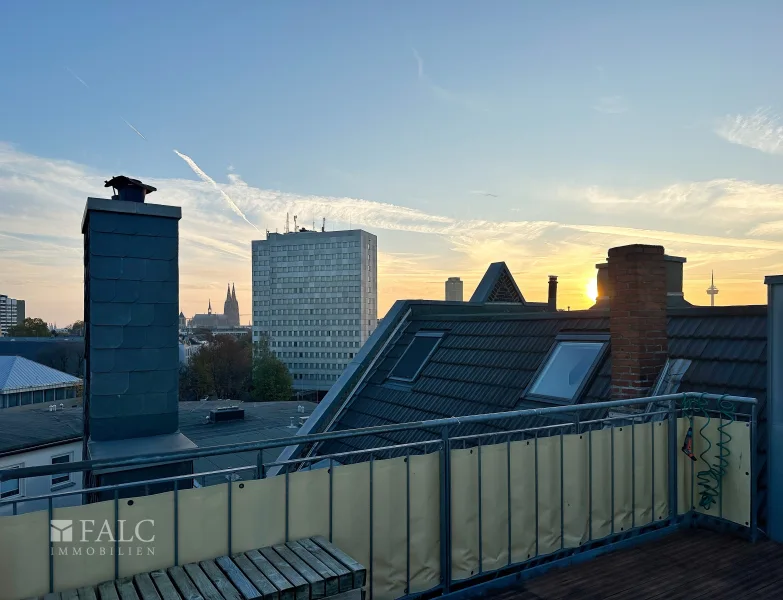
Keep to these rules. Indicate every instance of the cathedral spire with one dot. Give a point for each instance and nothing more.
(228, 292)
(209, 310)
(233, 293)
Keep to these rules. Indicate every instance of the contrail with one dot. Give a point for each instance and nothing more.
(79, 79)
(196, 169)
(134, 129)
(419, 62)
(206, 178)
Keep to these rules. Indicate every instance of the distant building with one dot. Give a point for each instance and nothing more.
(187, 348)
(453, 289)
(11, 313)
(25, 382)
(183, 322)
(210, 320)
(315, 299)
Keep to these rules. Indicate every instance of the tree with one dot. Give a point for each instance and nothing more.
(30, 328)
(77, 328)
(189, 388)
(271, 380)
(222, 367)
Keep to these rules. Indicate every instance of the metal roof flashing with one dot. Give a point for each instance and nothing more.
(156, 444)
(131, 208)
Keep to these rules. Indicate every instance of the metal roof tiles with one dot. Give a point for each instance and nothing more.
(486, 360)
(17, 373)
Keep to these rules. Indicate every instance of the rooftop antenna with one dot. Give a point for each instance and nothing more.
(712, 291)
(323, 225)
(296, 228)
(286, 223)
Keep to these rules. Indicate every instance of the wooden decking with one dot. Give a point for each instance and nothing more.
(304, 570)
(686, 565)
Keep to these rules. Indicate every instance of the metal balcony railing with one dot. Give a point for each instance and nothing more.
(426, 518)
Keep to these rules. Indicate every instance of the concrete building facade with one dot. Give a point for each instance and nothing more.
(11, 313)
(315, 298)
(454, 289)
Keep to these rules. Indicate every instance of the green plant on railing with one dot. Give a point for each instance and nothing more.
(711, 479)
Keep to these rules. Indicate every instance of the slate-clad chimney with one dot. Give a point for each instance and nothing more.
(551, 304)
(637, 318)
(131, 305)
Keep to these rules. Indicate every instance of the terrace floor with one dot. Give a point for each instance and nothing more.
(689, 564)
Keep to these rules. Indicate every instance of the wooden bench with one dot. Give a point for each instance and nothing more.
(308, 569)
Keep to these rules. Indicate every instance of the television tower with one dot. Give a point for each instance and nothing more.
(712, 291)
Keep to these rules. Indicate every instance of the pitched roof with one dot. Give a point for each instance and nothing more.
(487, 358)
(498, 285)
(17, 373)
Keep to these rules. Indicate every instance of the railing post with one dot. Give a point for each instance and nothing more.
(672, 459)
(445, 510)
(754, 508)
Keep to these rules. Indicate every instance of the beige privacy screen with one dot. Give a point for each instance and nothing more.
(556, 512)
(510, 502)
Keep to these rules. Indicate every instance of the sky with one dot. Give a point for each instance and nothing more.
(460, 133)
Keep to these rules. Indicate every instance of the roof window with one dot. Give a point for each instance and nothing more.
(567, 370)
(416, 356)
(671, 376)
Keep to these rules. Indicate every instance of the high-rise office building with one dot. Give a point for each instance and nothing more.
(454, 289)
(11, 313)
(315, 298)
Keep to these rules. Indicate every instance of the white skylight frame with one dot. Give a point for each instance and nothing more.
(601, 341)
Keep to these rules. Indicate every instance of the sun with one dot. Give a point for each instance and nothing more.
(592, 289)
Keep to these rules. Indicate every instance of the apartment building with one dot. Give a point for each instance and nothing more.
(315, 298)
(11, 313)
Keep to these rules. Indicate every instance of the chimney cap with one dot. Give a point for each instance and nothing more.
(121, 181)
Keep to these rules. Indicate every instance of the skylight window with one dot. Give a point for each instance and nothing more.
(416, 356)
(566, 371)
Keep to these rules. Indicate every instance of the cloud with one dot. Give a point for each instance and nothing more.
(43, 202)
(761, 130)
(460, 98)
(771, 228)
(483, 193)
(716, 200)
(611, 105)
(657, 236)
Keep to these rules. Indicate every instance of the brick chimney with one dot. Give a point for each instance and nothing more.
(551, 303)
(637, 318)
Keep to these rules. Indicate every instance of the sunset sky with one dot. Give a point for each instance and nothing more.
(460, 133)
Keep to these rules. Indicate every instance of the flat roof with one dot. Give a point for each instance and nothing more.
(28, 427)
